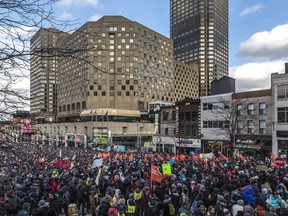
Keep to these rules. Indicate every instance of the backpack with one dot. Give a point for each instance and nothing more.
(154, 211)
(171, 209)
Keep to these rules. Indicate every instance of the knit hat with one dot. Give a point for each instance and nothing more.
(240, 202)
(264, 191)
(41, 203)
(131, 196)
(26, 206)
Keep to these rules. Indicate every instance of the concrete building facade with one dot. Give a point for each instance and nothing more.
(279, 86)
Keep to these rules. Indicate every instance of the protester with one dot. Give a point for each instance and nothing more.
(102, 183)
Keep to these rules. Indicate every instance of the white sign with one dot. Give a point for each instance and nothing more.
(97, 163)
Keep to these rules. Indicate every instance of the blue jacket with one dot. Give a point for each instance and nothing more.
(248, 196)
(23, 213)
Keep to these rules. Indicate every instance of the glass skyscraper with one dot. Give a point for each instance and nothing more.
(199, 29)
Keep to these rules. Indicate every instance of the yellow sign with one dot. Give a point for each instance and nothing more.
(166, 169)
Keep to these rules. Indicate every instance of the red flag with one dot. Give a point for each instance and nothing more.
(155, 174)
(67, 165)
(58, 163)
(41, 160)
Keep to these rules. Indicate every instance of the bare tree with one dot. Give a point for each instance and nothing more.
(19, 19)
(239, 117)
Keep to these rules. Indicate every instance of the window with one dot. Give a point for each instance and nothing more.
(250, 109)
(188, 116)
(282, 114)
(166, 131)
(262, 108)
(165, 116)
(250, 126)
(262, 126)
(282, 91)
(239, 109)
(173, 115)
(239, 127)
(103, 93)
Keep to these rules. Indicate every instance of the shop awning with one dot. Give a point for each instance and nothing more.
(110, 112)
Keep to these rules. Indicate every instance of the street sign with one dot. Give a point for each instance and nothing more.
(280, 161)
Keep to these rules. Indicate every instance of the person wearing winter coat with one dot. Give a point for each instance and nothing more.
(24, 210)
(93, 200)
(153, 206)
(165, 204)
(176, 197)
(248, 196)
(43, 209)
(104, 206)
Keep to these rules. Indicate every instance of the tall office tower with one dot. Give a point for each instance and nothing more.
(199, 29)
(43, 69)
(124, 65)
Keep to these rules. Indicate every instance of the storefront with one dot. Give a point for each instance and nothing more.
(254, 145)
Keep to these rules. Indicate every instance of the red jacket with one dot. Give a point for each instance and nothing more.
(259, 210)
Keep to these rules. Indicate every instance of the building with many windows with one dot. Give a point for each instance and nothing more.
(279, 85)
(199, 29)
(253, 132)
(126, 66)
(43, 74)
(112, 67)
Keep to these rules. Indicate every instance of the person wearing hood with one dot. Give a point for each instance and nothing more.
(259, 210)
(165, 204)
(104, 206)
(176, 197)
(24, 210)
(153, 206)
(248, 196)
(237, 207)
(275, 201)
(113, 210)
(43, 209)
(185, 199)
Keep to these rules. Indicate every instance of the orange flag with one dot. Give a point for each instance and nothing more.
(272, 160)
(160, 158)
(156, 174)
(196, 157)
(182, 157)
(223, 158)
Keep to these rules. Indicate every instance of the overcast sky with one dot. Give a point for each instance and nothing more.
(258, 31)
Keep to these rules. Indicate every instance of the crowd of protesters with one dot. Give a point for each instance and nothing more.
(33, 182)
